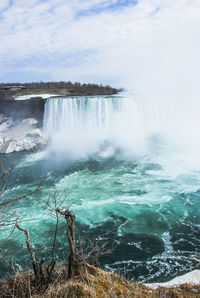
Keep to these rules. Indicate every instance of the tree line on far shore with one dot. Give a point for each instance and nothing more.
(9, 90)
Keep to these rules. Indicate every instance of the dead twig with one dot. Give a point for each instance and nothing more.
(30, 249)
(70, 218)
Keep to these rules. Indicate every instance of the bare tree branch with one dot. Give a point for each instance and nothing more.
(70, 218)
(23, 196)
(30, 249)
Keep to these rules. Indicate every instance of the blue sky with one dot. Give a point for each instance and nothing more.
(105, 6)
(120, 42)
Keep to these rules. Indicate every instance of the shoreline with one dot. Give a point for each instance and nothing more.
(11, 91)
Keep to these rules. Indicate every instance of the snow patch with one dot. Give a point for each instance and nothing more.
(24, 97)
(192, 278)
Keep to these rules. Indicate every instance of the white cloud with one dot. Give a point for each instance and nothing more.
(4, 4)
(153, 41)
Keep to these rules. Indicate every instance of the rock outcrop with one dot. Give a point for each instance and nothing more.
(19, 136)
(23, 109)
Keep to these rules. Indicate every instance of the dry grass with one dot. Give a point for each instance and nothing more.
(24, 284)
(91, 282)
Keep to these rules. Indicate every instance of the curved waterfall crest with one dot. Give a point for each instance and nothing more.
(73, 113)
(135, 125)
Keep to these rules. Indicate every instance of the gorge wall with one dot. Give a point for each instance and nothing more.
(21, 123)
(23, 109)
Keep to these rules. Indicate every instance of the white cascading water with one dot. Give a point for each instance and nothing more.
(137, 125)
(77, 126)
(76, 113)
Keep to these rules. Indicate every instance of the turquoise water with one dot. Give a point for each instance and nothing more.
(146, 205)
(152, 219)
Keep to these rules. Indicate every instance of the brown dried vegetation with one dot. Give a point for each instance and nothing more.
(90, 282)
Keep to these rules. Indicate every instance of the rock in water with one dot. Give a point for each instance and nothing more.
(19, 136)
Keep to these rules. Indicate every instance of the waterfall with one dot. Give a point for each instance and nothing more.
(80, 123)
(139, 125)
(79, 113)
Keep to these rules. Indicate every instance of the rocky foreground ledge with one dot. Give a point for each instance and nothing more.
(21, 135)
(91, 282)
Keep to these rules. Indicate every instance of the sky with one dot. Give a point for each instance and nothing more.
(139, 44)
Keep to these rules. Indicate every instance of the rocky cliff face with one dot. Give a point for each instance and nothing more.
(23, 109)
(23, 135)
(20, 123)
